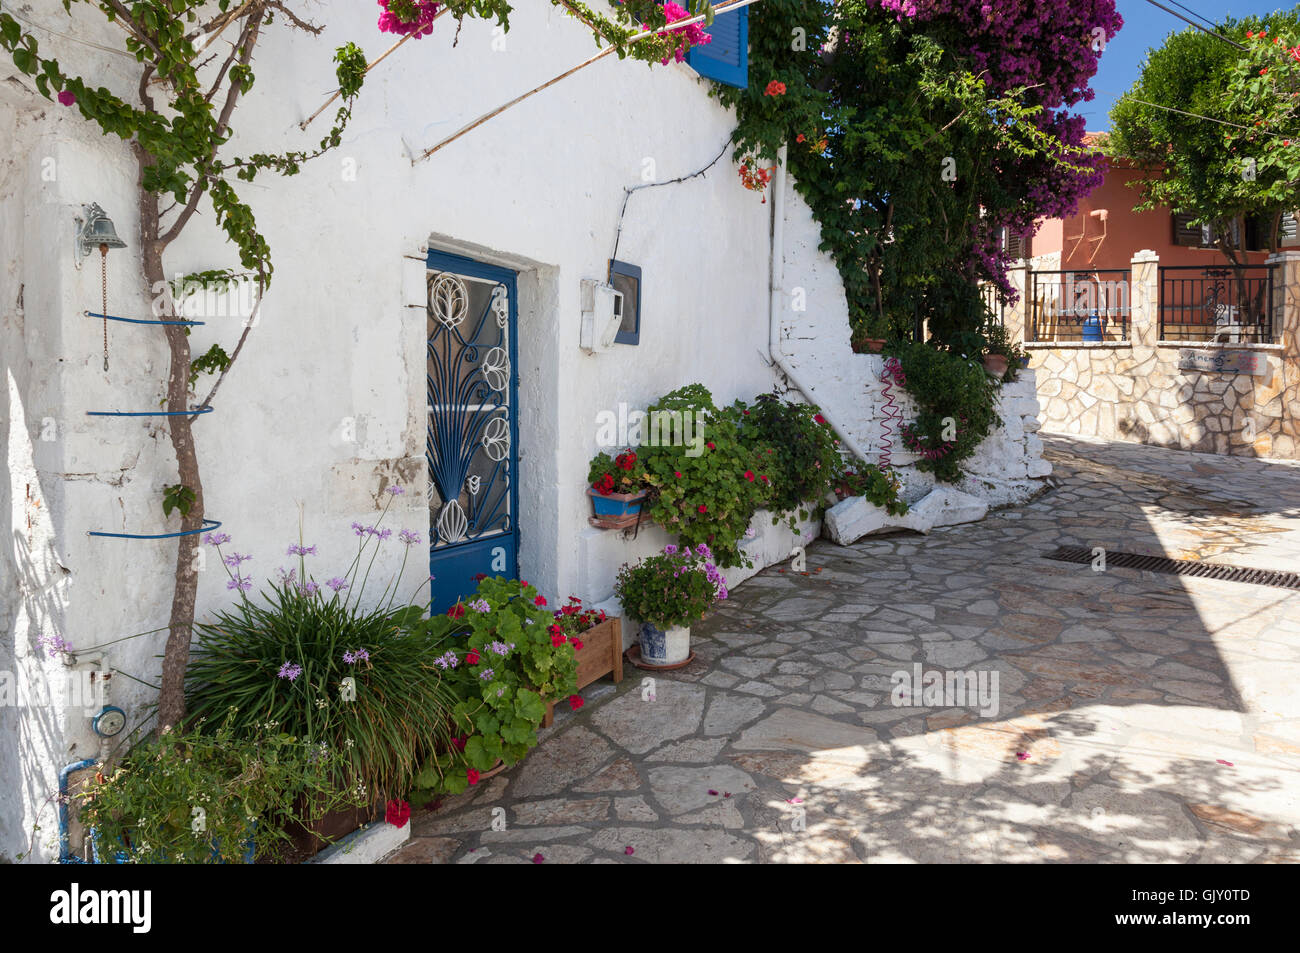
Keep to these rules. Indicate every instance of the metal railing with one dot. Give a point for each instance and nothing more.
(996, 304)
(1229, 304)
(1079, 305)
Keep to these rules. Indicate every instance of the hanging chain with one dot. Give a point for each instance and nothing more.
(103, 280)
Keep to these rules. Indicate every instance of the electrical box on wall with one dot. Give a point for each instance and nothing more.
(602, 316)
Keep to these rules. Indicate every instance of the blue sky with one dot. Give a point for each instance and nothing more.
(1146, 26)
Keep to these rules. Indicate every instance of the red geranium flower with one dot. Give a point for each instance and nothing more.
(800, 138)
(774, 88)
(398, 813)
(678, 474)
(456, 611)
(458, 743)
(558, 639)
(576, 702)
(763, 478)
(471, 775)
(819, 418)
(749, 475)
(711, 445)
(539, 601)
(577, 644)
(472, 658)
(703, 508)
(554, 629)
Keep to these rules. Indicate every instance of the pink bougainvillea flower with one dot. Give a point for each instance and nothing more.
(398, 813)
(1022, 755)
(712, 793)
(423, 11)
(67, 97)
(694, 33)
(629, 851)
(794, 800)
(538, 858)
(1221, 761)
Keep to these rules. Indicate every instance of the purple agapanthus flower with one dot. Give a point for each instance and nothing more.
(54, 644)
(216, 539)
(338, 583)
(290, 670)
(300, 550)
(481, 605)
(409, 538)
(396, 490)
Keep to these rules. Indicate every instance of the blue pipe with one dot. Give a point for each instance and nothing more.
(65, 852)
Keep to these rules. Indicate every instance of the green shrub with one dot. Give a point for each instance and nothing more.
(196, 797)
(803, 454)
(308, 658)
(707, 492)
(876, 485)
(956, 400)
(504, 657)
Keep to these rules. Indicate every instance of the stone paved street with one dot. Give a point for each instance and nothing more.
(1141, 717)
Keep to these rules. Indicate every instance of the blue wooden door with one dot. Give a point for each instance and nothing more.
(473, 427)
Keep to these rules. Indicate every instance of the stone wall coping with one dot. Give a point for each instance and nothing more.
(1215, 346)
(1076, 345)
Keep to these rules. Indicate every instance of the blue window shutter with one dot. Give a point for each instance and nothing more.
(726, 59)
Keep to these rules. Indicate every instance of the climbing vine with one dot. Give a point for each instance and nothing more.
(917, 132)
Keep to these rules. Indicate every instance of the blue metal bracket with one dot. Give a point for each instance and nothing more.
(148, 413)
(207, 526)
(113, 317)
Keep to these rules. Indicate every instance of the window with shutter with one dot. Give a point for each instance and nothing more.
(1015, 244)
(726, 58)
(1185, 233)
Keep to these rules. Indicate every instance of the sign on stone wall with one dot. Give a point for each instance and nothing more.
(1222, 362)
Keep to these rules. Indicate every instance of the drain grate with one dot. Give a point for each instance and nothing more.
(1181, 567)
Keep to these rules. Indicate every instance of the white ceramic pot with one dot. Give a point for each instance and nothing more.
(664, 646)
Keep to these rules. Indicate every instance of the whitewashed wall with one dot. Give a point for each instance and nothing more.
(327, 403)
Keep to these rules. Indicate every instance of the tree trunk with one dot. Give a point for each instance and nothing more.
(176, 654)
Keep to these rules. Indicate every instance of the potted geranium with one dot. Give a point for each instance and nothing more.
(597, 641)
(617, 487)
(1001, 352)
(666, 593)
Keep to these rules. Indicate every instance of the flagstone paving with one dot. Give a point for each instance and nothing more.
(1139, 717)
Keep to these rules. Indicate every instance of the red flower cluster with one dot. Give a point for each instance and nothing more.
(775, 88)
(456, 611)
(472, 658)
(576, 702)
(625, 461)
(605, 485)
(755, 179)
(573, 618)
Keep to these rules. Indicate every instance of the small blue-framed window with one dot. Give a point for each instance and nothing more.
(726, 58)
(626, 279)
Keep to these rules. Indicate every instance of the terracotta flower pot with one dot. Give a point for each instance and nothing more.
(873, 345)
(995, 364)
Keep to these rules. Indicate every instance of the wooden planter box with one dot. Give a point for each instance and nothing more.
(601, 655)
